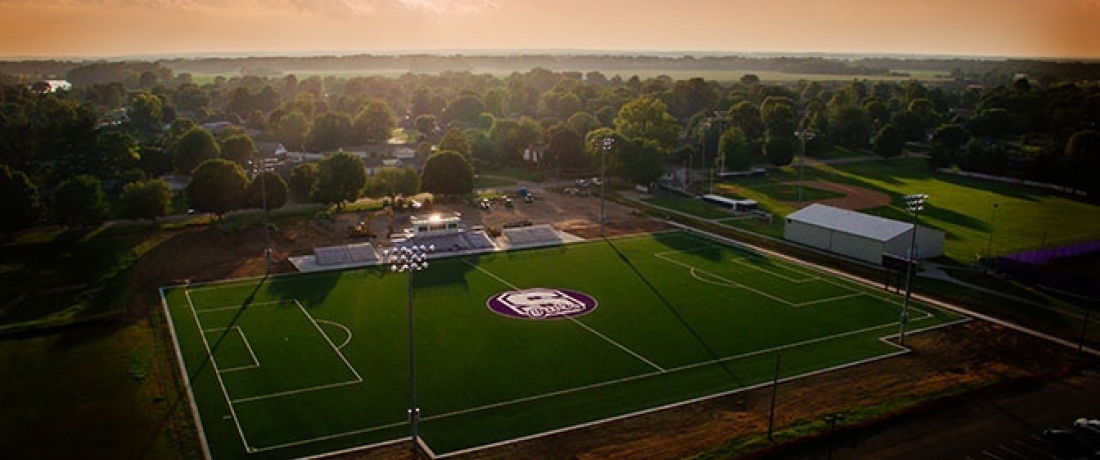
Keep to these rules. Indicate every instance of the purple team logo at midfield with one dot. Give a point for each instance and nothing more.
(541, 303)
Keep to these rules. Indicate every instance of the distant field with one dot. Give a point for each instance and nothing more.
(308, 364)
(1025, 217)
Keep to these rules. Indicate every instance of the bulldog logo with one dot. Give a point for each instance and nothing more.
(541, 303)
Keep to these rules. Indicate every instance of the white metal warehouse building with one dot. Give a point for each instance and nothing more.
(859, 236)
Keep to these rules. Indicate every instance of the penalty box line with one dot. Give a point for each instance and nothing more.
(733, 284)
(240, 332)
(357, 380)
(575, 321)
(231, 403)
(217, 373)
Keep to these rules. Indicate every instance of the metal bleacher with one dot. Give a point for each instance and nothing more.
(362, 253)
(539, 235)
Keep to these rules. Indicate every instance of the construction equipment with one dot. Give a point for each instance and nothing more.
(363, 228)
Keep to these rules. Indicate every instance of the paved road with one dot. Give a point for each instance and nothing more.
(1003, 425)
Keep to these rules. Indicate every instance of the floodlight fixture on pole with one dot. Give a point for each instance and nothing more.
(410, 259)
(914, 205)
(803, 135)
(604, 148)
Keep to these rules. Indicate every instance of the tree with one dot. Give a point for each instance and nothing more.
(455, 140)
(946, 142)
(464, 111)
(392, 182)
(1083, 160)
(642, 161)
(582, 123)
(340, 178)
(116, 151)
(850, 126)
(291, 129)
(778, 114)
(889, 142)
(19, 201)
(447, 173)
(329, 132)
(269, 187)
(240, 149)
(735, 150)
(374, 122)
(647, 117)
(217, 186)
(146, 115)
(691, 96)
(746, 117)
(79, 201)
(425, 125)
(779, 148)
(195, 146)
(302, 178)
(567, 149)
(145, 200)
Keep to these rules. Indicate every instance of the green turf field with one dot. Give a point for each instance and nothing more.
(307, 364)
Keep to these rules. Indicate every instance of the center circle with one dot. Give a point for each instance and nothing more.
(541, 303)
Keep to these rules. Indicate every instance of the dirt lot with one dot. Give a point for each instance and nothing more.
(945, 361)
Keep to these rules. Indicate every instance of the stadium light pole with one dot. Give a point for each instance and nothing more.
(831, 419)
(409, 259)
(607, 143)
(259, 170)
(992, 220)
(803, 135)
(914, 204)
(703, 148)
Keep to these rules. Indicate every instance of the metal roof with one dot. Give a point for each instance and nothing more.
(851, 222)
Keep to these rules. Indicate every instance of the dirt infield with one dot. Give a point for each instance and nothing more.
(855, 198)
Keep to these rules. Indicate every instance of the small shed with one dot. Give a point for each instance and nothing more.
(859, 236)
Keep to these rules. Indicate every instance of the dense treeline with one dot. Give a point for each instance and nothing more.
(983, 70)
(122, 123)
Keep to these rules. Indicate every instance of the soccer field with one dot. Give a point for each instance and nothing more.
(307, 364)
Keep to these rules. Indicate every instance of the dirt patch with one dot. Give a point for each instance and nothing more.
(855, 198)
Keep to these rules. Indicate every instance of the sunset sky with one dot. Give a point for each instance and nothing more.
(111, 28)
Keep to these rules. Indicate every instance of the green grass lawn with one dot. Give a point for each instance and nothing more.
(1026, 218)
(306, 364)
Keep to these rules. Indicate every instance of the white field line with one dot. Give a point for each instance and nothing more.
(737, 260)
(186, 377)
(720, 282)
(693, 366)
(341, 326)
(575, 321)
(735, 284)
(358, 379)
(329, 437)
(280, 394)
(255, 362)
(901, 351)
(238, 307)
(217, 373)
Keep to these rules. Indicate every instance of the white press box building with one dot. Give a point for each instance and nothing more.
(859, 236)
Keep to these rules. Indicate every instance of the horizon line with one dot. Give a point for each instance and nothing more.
(504, 52)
